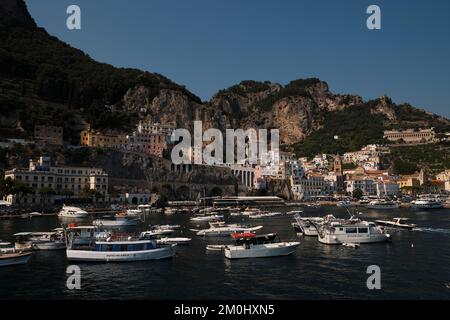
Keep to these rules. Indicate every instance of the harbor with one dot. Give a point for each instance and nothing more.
(313, 270)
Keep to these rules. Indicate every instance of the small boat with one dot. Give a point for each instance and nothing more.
(236, 214)
(351, 245)
(206, 218)
(175, 240)
(72, 212)
(227, 230)
(35, 214)
(265, 215)
(396, 223)
(53, 240)
(155, 232)
(133, 212)
(294, 212)
(118, 221)
(250, 245)
(382, 204)
(6, 247)
(167, 226)
(215, 247)
(9, 259)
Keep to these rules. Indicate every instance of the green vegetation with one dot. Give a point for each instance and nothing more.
(45, 81)
(350, 126)
(348, 166)
(411, 117)
(10, 186)
(433, 157)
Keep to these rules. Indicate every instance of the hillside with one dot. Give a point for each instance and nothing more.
(46, 81)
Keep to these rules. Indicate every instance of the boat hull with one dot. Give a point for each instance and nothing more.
(123, 256)
(14, 259)
(340, 239)
(261, 250)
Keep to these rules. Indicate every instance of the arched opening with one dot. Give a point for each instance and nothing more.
(134, 200)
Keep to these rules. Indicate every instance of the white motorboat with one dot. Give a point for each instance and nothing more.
(227, 230)
(215, 247)
(133, 212)
(351, 231)
(206, 218)
(9, 259)
(35, 214)
(122, 251)
(251, 211)
(175, 240)
(396, 223)
(294, 212)
(115, 222)
(425, 203)
(307, 226)
(6, 247)
(72, 212)
(149, 234)
(382, 204)
(265, 215)
(249, 245)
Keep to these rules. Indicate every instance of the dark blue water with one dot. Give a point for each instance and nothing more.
(416, 265)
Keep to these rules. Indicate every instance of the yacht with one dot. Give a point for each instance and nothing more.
(227, 230)
(72, 212)
(118, 221)
(427, 203)
(396, 223)
(351, 231)
(382, 204)
(250, 245)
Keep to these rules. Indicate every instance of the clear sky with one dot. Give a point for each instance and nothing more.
(208, 45)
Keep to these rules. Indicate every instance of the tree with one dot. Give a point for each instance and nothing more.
(46, 192)
(357, 193)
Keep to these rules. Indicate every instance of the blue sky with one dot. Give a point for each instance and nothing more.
(208, 45)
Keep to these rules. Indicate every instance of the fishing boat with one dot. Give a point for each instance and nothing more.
(396, 223)
(72, 212)
(227, 230)
(206, 218)
(351, 231)
(9, 259)
(84, 235)
(382, 204)
(250, 245)
(119, 221)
